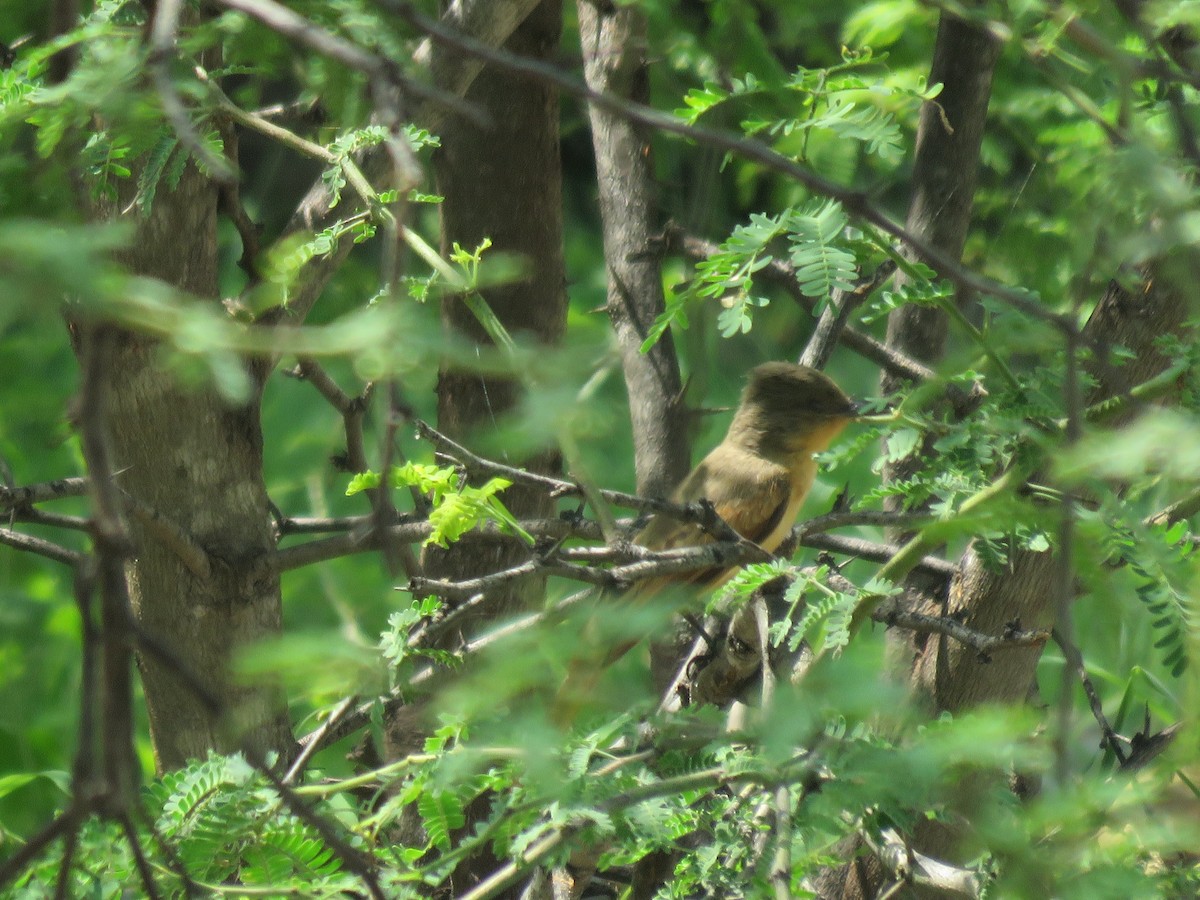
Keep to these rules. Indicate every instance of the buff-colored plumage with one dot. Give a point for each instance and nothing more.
(756, 478)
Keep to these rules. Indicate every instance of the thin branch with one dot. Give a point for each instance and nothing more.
(701, 513)
(395, 553)
(18, 497)
(40, 546)
(231, 204)
(1177, 511)
(36, 516)
(427, 679)
(783, 273)
(651, 564)
(320, 524)
(472, 587)
(292, 25)
(139, 857)
(352, 411)
(1075, 667)
(64, 823)
(863, 517)
(355, 860)
(312, 372)
(832, 323)
(172, 536)
(705, 780)
(364, 541)
(877, 552)
(309, 750)
(163, 32)
(174, 863)
(893, 615)
(62, 887)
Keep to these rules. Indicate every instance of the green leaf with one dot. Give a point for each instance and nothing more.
(441, 813)
(11, 783)
(363, 481)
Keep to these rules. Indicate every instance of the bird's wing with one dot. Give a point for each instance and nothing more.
(751, 495)
(754, 508)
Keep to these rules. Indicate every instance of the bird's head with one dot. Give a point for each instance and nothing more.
(792, 407)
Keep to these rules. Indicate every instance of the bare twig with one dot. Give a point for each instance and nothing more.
(163, 32)
(39, 546)
(357, 861)
(320, 524)
(70, 845)
(1076, 668)
(429, 677)
(832, 323)
(471, 587)
(139, 857)
(860, 517)
(366, 540)
(892, 614)
(36, 516)
(172, 536)
(309, 750)
(292, 25)
(876, 552)
(64, 823)
(16, 498)
(702, 513)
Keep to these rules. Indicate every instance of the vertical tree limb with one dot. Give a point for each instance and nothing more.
(949, 137)
(188, 451)
(503, 182)
(614, 62)
(944, 170)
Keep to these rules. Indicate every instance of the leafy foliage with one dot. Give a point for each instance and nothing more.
(821, 258)
(1087, 167)
(457, 507)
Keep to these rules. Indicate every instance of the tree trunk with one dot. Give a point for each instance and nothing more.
(504, 182)
(614, 59)
(191, 464)
(944, 170)
(949, 136)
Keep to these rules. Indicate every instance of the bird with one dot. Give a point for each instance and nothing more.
(759, 475)
(756, 478)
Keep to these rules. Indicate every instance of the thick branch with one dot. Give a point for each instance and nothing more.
(613, 40)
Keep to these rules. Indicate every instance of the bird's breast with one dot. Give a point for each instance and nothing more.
(802, 473)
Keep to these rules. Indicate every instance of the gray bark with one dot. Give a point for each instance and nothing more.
(185, 455)
(614, 59)
(944, 170)
(949, 136)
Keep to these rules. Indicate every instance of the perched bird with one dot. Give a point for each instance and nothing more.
(758, 476)
(756, 479)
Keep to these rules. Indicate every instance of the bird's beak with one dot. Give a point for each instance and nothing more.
(855, 410)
